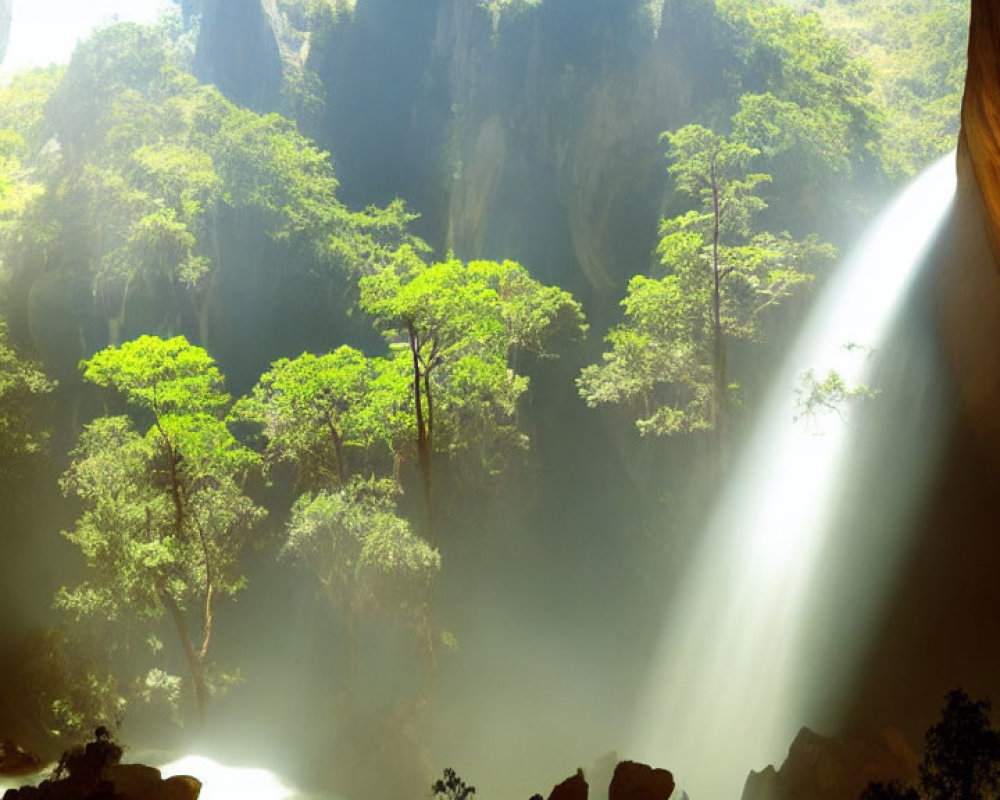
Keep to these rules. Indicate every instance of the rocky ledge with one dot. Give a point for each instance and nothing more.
(94, 772)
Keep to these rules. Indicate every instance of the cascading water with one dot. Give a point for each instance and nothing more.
(726, 691)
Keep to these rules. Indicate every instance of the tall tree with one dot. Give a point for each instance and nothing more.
(668, 359)
(457, 326)
(165, 516)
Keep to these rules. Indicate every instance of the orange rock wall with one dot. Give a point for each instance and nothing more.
(968, 288)
(980, 139)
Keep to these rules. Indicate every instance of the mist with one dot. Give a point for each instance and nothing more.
(534, 572)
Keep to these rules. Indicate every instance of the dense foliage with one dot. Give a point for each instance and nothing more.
(165, 514)
(916, 56)
(151, 171)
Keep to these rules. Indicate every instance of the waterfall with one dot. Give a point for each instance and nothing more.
(726, 692)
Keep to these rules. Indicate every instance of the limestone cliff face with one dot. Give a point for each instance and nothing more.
(536, 140)
(238, 51)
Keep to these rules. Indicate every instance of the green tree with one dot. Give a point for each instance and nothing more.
(456, 326)
(333, 417)
(165, 516)
(668, 359)
(64, 683)
(366, 560)
(310, 409)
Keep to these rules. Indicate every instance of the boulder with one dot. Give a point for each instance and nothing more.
(635, 781)
(133, 780)
(139, 782)
(575, 788)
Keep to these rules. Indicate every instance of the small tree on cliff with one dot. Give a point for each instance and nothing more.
(165, 517)
(668, 359)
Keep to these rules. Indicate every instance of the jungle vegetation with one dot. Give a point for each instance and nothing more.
(383, 375)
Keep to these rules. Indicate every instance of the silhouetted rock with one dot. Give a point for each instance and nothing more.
(93, 773)
(135, 781)
(574, 788)
(821, 768)
(635, 781)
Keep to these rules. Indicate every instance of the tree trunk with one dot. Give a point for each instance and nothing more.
(423, 439)
(175, 483)
(195, 665)
(338, 449)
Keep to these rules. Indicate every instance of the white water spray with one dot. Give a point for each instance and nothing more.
(222, 782)
(725, 692)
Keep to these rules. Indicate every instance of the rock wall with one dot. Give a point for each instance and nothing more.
(980, 138)
(238, 51)
(535, 140)
(970, 279)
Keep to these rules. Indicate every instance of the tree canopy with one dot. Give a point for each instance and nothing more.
(668, 359)
(457, 327)
(165, 517)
